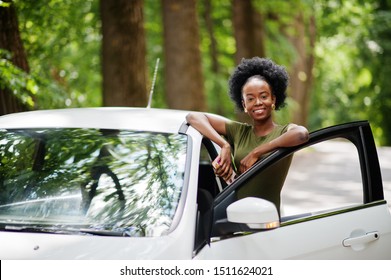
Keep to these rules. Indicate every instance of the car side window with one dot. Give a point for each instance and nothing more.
(206, 176)
(208, 188)
(322, 177)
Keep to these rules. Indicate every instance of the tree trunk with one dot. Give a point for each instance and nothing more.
(207, 15)
(123, 53)
(301, 77)
(248, 30)
(184, 85)
(249, 35)
(10, 40)
(215, 68)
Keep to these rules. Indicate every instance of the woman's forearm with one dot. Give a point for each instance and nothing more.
(201, 123)
(295, 136)
(212, 128)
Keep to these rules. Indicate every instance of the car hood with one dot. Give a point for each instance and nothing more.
(73, 247)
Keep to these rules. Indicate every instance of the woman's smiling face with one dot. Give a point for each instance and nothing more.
(258, 99)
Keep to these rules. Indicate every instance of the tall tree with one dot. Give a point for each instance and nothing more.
(248, 29)
(124, 53)
(10, 40)
(215, 68)
(301, 78)
(183, 72)
(209, 26)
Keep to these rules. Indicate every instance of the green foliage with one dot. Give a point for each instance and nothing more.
(351, 75)
(378, 51)
(62, 40)
(340, 73)
(216, 83)
(21, 84)
(279, 15)
(350, 85)
(154, 36)
(5, 4)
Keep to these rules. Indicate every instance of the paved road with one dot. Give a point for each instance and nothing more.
(328, 176)
(385, 165)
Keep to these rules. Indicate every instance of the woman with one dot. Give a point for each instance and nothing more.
(257, 87)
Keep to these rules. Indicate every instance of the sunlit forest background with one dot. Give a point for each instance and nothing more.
(88, 53)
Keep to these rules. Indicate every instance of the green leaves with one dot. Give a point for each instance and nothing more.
(62, 42)
(351, 74)
(20, 83)
(5, 4)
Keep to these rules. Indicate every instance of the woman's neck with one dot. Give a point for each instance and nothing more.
(262, 128)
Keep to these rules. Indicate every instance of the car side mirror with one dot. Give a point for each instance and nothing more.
(256, 213)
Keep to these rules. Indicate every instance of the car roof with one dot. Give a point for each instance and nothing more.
(144, 119)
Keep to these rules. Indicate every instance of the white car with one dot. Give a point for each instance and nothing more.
(135, 183)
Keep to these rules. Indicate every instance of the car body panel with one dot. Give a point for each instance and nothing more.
(320, 238)
(196, 233)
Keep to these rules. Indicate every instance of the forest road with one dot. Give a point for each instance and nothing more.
(308, 171)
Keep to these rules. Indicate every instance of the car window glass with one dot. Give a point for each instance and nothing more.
(206, 177)
(322, 177)
(127, 182)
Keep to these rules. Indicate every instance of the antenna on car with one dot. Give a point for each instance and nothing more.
(153, 83)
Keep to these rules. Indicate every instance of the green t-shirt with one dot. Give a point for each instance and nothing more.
(268, 183)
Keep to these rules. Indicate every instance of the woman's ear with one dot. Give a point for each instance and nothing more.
(244, 106)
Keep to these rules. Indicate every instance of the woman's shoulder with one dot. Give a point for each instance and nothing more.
(280, 129)
(239, 126)
(284, 127)
(235, 128)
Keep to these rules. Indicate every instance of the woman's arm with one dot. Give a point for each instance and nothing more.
(212, 127)
(295, 135)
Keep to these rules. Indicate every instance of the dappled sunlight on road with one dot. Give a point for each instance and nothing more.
(385, 165)
(327, 176)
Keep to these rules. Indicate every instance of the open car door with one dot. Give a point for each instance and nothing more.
(323, 214)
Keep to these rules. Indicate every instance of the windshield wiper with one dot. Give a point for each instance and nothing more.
(62, 230)
(21, 228)
(103, 232)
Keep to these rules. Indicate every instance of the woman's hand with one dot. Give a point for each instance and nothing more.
(212, 127)
(247, 162)
(222, 163)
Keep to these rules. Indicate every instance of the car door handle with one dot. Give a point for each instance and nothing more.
(366, 238)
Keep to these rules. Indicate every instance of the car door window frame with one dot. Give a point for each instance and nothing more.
(359, 133)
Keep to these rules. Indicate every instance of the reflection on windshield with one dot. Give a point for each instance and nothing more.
(121, 181)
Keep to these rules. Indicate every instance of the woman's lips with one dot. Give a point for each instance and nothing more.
(258, 111)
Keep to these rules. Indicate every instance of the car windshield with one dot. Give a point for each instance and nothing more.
(90, 181)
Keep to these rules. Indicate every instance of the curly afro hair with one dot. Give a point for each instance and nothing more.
(275, 75)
